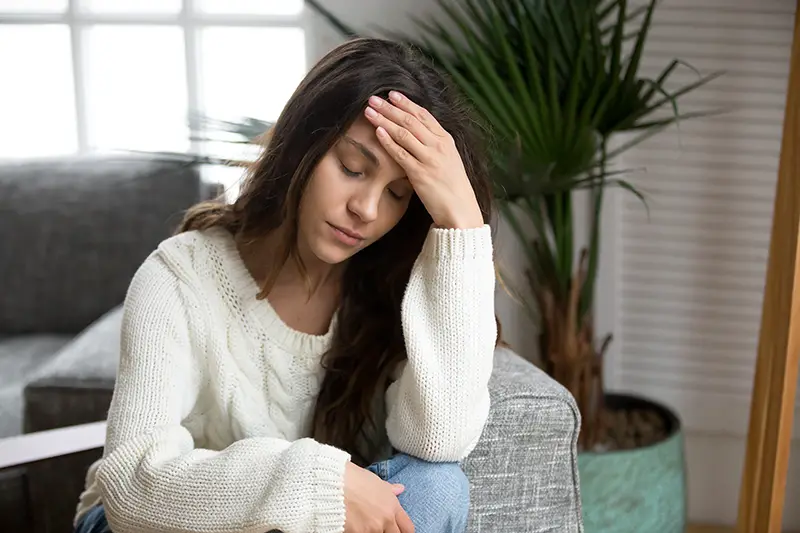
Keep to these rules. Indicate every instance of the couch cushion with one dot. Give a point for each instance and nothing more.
(75, 386)
(20, 358)
(74, 231)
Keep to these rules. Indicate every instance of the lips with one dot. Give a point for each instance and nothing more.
(349, 233)
(346, 236)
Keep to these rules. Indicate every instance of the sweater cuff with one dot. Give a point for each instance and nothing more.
(473, 243)
(328, 495)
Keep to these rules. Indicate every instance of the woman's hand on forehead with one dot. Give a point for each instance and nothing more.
(428, 153)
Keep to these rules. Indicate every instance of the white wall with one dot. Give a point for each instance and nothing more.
(368, 15)
(518, 329)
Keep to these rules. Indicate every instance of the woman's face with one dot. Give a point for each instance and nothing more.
(355, 195)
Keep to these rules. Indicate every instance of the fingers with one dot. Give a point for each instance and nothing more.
(403, 521)
(404, 119)
(397, 489)
(404, 136)
(392, 527)
(403, 157)
(422, 115)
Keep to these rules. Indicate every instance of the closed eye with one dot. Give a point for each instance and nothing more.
(400, 193)
(349, 172)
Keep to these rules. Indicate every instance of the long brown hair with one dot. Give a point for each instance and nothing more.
(368, 340)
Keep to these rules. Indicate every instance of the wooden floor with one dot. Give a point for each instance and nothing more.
(697, 528)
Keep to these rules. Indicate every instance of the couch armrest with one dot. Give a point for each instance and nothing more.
(43, 445)
(42, 474)
(524, 471)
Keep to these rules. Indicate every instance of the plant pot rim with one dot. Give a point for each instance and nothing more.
(675, 427)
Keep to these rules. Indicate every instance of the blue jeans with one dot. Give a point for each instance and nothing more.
(436, 496)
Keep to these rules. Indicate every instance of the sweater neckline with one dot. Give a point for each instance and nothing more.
(246, 287)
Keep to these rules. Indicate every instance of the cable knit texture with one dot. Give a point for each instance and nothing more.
(209, 425)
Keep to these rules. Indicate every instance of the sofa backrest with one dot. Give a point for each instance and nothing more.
(74, 230)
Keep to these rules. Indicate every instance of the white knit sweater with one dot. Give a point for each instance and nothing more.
(209, 423)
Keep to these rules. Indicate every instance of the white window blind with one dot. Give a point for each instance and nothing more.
(685, 285)
(692, 274)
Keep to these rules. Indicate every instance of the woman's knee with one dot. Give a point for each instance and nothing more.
(453, 480)
(439, 491)
(94, 521)
(455, 486)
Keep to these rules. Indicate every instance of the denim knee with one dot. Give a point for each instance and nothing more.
(454, 487)
(94, 521)
(437, 495)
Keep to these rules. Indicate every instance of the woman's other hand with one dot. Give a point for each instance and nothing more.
(371, 504)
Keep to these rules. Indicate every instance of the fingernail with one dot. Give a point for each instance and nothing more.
(370, 112)
(395, 96)
(374, 100)
(380, 131)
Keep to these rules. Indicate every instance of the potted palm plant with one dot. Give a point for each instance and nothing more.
(557, 85)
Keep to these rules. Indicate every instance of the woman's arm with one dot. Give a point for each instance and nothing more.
(439, 405)
(153, 479)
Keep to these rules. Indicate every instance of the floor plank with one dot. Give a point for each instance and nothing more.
(707, 528)
(699, 528)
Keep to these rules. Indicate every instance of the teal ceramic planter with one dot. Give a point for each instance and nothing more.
(636, 491)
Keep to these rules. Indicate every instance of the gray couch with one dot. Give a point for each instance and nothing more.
(74, 231)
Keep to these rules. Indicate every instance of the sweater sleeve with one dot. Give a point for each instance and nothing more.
(438, 406)
(153, 479)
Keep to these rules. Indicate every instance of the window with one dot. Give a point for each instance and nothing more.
(99, 75)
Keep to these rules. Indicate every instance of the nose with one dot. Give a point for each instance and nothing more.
(365, 202)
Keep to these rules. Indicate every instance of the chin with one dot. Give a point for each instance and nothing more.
(332, 254)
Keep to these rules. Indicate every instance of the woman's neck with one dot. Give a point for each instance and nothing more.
(261, 258)
(304, 300)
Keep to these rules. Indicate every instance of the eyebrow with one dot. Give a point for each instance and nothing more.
(364, 150)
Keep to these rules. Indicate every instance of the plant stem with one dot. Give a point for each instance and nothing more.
(587, 295)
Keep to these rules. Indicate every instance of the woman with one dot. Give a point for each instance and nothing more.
(315, 357)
